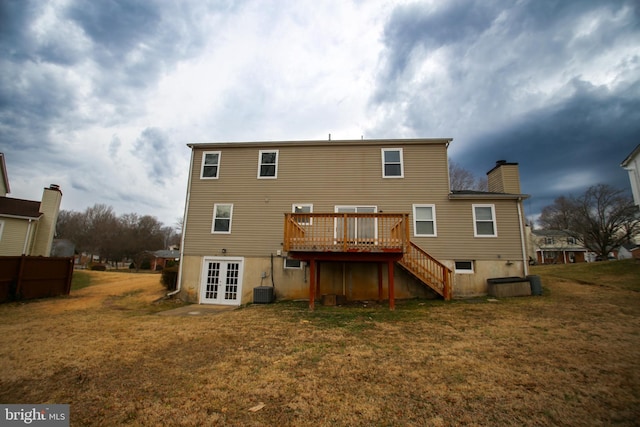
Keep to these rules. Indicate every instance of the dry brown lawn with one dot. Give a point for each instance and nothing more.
(570, 357)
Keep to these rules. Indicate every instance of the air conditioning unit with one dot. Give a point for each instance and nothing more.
(263, 295)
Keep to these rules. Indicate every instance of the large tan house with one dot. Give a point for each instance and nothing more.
(356, 219)
(27, 227)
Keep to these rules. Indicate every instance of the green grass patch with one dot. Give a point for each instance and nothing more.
(355, 316)
(623, 274)
(79, 280)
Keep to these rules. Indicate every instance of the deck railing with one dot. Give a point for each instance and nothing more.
(428, 269)
(346, 232)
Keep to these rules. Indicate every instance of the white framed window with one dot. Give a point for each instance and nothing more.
(549, 241)
(303, 208)
(464, 267)
(424, 220)
(222, 214)
(1, 228)
(392, 164)
(210, 165)
(484, 218)
(571, 240)
(268, 164)
(292, 264)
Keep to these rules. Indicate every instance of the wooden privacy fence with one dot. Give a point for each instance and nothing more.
(26, 277)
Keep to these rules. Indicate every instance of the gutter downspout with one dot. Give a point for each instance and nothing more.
(27, 238)
(525, 261)
(184, 230)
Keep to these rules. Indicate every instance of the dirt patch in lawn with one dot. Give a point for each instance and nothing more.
(570, 357)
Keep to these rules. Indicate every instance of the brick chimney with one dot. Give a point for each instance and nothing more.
(49, 207)
(504, 178)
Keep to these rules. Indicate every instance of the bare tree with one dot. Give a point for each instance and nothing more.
(558, 215)
(97, 231)
(601, 219)
(462, 179)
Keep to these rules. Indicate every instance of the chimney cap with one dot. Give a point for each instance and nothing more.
(500, 163)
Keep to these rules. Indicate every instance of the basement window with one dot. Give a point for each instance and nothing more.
(292, 264)
(464, 267)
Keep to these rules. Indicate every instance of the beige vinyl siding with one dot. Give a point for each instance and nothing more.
(14, 234)
(456, 233)
(324, 175)
(327, 175)
(505, 179)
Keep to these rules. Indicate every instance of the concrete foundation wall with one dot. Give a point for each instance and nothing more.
(475, 285)
(357, 281)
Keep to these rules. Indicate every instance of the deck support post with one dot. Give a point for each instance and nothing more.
(379, 281)
(318, 279)
(392, 301)
(312, 283)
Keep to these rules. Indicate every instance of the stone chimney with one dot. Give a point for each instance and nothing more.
(49, 208)
(504, 178)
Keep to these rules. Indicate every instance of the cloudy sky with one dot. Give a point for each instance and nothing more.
(102, 96)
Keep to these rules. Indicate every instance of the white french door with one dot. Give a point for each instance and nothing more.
(221, 281)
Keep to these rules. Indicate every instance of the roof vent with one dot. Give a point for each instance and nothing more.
(501, 162)
(54, 187)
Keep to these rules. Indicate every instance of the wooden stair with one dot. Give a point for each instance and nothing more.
(428, 270)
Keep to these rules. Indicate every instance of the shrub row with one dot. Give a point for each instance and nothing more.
(170, 278)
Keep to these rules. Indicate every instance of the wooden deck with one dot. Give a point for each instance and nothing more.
(346, 232)
(383, 238)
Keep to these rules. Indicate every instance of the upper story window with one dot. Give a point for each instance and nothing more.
(424, 220)
(549, 241)
(210, 165)
(571, 240)
(392, 165)
(268, 164)
(484, 218)
(222, 214)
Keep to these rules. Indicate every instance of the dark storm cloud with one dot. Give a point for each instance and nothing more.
(67, 68)
(518, 81)
(154, 148)
(15, 16)
(416, 26)
(565, 148)
(131, 44)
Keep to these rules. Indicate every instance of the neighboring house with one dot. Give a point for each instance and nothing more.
(557, 247)
(339, 218)
(162, 257)
(27, 227)
(632, 165)
(629, 250)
